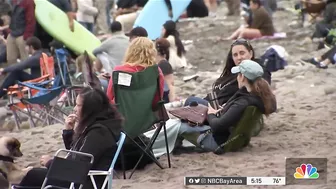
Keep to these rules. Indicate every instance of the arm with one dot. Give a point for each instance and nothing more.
(96, 142)
(170, 82)
(67, 138)
(110, 92)
(169, 5)
(30, 62)
(229, 118)
(161, 79)
(30, 19)
(102, 48)
(84, 7)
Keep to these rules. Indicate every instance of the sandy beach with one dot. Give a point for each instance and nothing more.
(303, 127)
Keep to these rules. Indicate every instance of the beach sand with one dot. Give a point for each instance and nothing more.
(304, 125)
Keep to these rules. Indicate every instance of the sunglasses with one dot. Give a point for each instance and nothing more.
(241, 41)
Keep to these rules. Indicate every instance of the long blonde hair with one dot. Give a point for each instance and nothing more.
(141, 52)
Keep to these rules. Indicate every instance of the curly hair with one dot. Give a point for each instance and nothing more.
(141, 52)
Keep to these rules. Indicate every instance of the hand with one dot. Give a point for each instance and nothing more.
(211, 110)
(71, 26)
(70, 121)
(44, 159)
(1, 71)
(170, 13)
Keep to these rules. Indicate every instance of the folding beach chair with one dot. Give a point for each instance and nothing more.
(43, 105)
(71, 171)
(90, 79)
(109, 173)
(241, 134)
(134, 94)
(15, 93)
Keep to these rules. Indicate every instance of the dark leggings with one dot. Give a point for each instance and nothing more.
(330, 55)
(321, 30)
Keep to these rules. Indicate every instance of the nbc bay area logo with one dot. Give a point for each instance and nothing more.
(306, 171)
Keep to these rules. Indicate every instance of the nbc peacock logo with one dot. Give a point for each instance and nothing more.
(306, 171)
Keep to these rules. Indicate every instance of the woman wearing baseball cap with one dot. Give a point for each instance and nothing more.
(253, 91)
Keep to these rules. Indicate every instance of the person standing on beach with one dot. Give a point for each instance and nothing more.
(22, 27)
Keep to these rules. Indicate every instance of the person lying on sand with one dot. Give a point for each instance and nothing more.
(162, 47)
(140, 54)
(324, 60)
(227, 85)
(94, 128)
(253, 91)
(262, 24)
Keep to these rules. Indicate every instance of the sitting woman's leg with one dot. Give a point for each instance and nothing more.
(199, 135)
(250, 33)
(195, 99)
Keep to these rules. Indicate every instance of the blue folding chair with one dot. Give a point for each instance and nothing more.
(109, 173)
(44, 103)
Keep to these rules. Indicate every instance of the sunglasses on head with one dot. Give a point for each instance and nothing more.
(241, 41)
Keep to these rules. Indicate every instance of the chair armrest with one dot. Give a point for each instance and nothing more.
(54, 187)
(24, 187)
(31, 86)
(95, 172)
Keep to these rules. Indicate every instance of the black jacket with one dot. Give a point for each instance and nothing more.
(232, 113)
(100, 140)
(229, 87)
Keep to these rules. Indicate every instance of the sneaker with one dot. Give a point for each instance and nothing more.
(310, 61)
(321, 66)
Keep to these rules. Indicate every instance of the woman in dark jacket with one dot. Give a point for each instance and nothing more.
(94, 128)
(253, 91)
(226, 85)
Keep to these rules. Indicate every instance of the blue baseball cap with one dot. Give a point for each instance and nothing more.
(250, 69)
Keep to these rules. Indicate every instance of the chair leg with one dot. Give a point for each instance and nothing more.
(123, 162)
(166, 140)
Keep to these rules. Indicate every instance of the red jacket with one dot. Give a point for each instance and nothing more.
(133, 69)
(23, 19)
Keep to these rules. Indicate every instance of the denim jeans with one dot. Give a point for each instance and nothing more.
(104, 83)
(205, 140)
(88, 26)
(109, 6)
(195, 99)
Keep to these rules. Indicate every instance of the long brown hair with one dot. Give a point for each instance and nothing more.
(261, 88)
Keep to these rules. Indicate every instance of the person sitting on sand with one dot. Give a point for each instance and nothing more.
(140, 54)
(227, 85)
(328, 22)
(16, 71)
(262, 24)
(177, 52)
(137, 32)
(324, 60)
(94, 128)
(111, 52)
(162, 47)
(253, 91)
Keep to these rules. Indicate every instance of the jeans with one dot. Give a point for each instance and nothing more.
(12, 78)
(104, 83)
(195, 99)
(205, 140)
(109, 6)
(88, 26)
(330, 55)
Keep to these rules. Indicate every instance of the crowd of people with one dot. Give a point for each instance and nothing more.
(96, 124)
